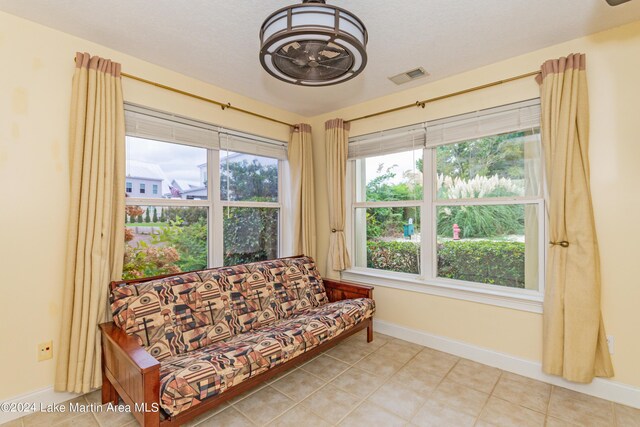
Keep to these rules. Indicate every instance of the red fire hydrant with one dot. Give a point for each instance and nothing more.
(456, 232)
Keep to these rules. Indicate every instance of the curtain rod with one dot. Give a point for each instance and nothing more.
(202, 98)
(423, 103)
(209, 100)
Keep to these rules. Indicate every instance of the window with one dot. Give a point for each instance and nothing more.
(250, 194)
(129, 187)
(172, 227)
(455, 203)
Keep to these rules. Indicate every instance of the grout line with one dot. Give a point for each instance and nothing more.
(386, 380)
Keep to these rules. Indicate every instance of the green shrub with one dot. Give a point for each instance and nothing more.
(481, 221)
(403, 257)
(481, 261)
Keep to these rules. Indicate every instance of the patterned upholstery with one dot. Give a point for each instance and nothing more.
(214, 328)
(182, 313)
(188, 379)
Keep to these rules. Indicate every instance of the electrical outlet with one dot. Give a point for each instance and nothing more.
(611, 342)
(45, 351)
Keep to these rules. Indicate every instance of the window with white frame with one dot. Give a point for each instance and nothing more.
(184, 223)
(456, 202)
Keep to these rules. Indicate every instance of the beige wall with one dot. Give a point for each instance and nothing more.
(613, 61)
(35, 88)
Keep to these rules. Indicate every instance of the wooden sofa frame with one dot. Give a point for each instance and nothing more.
(131, 373)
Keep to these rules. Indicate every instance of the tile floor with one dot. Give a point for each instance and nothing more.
(386, 383)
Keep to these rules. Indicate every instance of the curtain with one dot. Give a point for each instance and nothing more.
(574, 337)
(95, 241)
(337, 146)
(300, 152)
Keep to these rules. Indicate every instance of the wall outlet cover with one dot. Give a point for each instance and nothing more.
(45, 351)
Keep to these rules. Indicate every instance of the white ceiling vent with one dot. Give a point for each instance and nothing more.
(407, 76)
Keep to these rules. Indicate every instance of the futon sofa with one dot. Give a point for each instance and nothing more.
(182, 344)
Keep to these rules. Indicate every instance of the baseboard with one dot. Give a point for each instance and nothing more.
(44, 396)
(602, 388)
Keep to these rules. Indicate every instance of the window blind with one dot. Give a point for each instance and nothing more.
(494, 121)
(149, 124)
(387, 142)
(249, 144)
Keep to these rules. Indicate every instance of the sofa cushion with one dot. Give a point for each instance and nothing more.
(187, 380)
(159, 313)
(182, 313)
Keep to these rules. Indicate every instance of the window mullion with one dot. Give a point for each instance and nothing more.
(427, 239)
(216, 246)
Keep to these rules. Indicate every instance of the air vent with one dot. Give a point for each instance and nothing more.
(407, 76)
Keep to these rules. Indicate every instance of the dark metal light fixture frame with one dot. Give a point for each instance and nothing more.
(346, 31)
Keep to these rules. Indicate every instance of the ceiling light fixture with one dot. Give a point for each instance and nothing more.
(313, 44)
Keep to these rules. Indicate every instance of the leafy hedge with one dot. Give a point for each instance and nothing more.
(482, 261)
(403, 257)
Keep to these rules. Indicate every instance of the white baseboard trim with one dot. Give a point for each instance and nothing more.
(44, 396)
(602, 388)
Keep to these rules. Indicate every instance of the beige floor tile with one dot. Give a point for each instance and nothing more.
(325, 367)
(281, 375)
(398, 399)
(434, 362)
(51, 418)
(435, 414)
(349, 353)
(459, 397)
(264, 405)
(206, 415)
(13, 423)
(246, 394)
(94, 397)
(523, 391)
(82, 420)
(230, 417)
(506, 414)
(358, 382)
(418, 380)
(370, 415)
(331, 403)
(627, 416)
(298, 385)
(299, 416)
(113, 416)
(556, 422)
(475, 375)
(401, 351)
(580, 408)
(380, 364)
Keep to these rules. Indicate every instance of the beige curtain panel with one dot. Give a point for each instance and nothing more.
(574, 337)
(337, 146)
(95, 243)
(302, 190)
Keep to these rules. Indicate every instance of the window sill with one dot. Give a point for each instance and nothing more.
(530, 301)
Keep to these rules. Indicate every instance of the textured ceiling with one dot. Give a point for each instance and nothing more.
(217, 40)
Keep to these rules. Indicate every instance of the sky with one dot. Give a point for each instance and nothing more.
(404, 161)
(177, 161)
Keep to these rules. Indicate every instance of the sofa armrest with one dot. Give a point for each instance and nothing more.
(130, 372)
(128, 347)
(338, 290)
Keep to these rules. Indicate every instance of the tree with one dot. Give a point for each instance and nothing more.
(155, 215)
(501, 155)
(139, 219)
(249, 181)
(147, 217)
